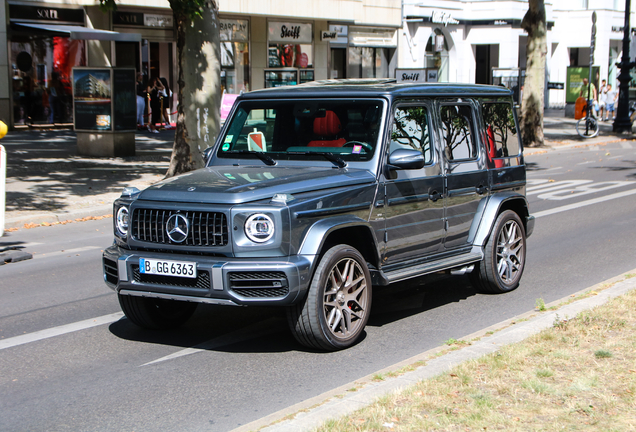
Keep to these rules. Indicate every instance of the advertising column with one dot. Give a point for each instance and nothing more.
(104, 108)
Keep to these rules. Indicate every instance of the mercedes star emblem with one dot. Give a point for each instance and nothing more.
(177, 228)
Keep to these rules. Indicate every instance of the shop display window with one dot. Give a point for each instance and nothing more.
(235, 67)
(290, 55)
(280, 78)
(42, 78)
(235, 56)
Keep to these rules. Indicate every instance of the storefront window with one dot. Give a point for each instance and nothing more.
(235, 56)
(290, 46)
(368, 62)
(42, 78)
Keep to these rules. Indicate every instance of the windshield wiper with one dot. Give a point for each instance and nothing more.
(336, 160)
(262, 156)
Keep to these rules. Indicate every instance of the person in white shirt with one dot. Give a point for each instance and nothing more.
(610, 100)
(602, 95)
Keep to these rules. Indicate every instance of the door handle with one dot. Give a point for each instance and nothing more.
(434, 196)
(481, 189)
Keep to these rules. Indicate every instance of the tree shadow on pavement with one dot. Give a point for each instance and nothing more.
(44, 170)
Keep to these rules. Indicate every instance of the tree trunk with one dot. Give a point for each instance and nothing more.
(199, 72)
(534, 23)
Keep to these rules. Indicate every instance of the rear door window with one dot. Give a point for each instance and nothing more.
(457, 132)
(501, 132)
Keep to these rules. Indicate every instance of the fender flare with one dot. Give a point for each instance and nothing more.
(491, 210)
(315, 237)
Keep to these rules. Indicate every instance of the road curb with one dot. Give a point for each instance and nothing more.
(311, 413)
(42, 218)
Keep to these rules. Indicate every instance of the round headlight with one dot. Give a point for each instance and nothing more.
(259, 228)
(122, 220)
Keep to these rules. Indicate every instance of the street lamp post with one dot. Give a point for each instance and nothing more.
(623, 123)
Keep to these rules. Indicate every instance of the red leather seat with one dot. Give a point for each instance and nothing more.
(327, 128)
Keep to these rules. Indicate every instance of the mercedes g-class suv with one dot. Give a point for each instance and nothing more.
(313, 195)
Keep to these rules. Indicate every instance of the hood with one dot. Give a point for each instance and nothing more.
(241, 184)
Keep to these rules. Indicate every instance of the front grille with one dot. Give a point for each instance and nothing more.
(205, 228)
(259, 284)
(202, 280)
(110, 271)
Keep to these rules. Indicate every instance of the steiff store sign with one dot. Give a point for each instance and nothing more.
(290, 32)
(410, 75)
(335, 34)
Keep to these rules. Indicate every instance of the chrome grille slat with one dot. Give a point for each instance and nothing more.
(206, 228)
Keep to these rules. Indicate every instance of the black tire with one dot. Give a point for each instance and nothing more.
(504, 256)
(156, 314)
(334, 313)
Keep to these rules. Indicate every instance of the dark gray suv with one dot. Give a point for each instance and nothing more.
(315, 194)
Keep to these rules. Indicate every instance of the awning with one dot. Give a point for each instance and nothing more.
(78, 32)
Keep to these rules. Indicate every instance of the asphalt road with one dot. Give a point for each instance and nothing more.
(68, 361)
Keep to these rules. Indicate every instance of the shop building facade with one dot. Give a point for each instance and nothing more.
(263, 44)
(482, 42)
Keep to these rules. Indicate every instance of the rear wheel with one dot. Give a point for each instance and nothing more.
(504, 256)
(156, 314)
(336, 310)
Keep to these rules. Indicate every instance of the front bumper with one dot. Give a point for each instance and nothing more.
(220, 280)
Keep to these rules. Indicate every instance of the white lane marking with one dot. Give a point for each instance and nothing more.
(250, 332)
(584, 163)
(626, 145)
(595, 148)
(583, 203)
(585, 189)
(67, 251)
(58, 331)
(547, 186)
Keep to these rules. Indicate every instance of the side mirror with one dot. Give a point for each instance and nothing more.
(406, 159)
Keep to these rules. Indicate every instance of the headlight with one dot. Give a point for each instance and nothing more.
(121, 220)
(259, 228)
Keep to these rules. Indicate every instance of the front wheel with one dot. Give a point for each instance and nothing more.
(338, 303)
(587, 127)
(156, 314)
(504, 256)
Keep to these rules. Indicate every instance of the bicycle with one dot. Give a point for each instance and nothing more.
(587, 127)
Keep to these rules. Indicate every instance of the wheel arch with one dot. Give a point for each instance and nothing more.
(353, 231)
(496, 205)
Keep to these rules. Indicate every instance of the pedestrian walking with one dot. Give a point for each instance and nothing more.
(155, 104)
(602, 96)
(165, 107)
(610, 101)
(141, 99)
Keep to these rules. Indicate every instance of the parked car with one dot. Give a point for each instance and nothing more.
(314, 195)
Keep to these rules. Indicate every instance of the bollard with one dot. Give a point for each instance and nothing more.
(3, 178)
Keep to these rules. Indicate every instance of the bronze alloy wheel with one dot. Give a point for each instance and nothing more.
(345, 299)
(504, 256)
(338, 303)
(510, 252)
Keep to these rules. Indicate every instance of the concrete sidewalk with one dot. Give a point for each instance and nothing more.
(48, 182)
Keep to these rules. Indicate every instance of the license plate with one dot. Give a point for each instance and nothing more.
(168, 268)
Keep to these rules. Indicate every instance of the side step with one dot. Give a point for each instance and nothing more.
(432, 267)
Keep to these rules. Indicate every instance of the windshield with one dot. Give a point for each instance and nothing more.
(335, 130)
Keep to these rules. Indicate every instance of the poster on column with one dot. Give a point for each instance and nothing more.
(92, 99)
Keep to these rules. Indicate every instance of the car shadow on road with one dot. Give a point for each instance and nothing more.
(265, 330)
(416, 296)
